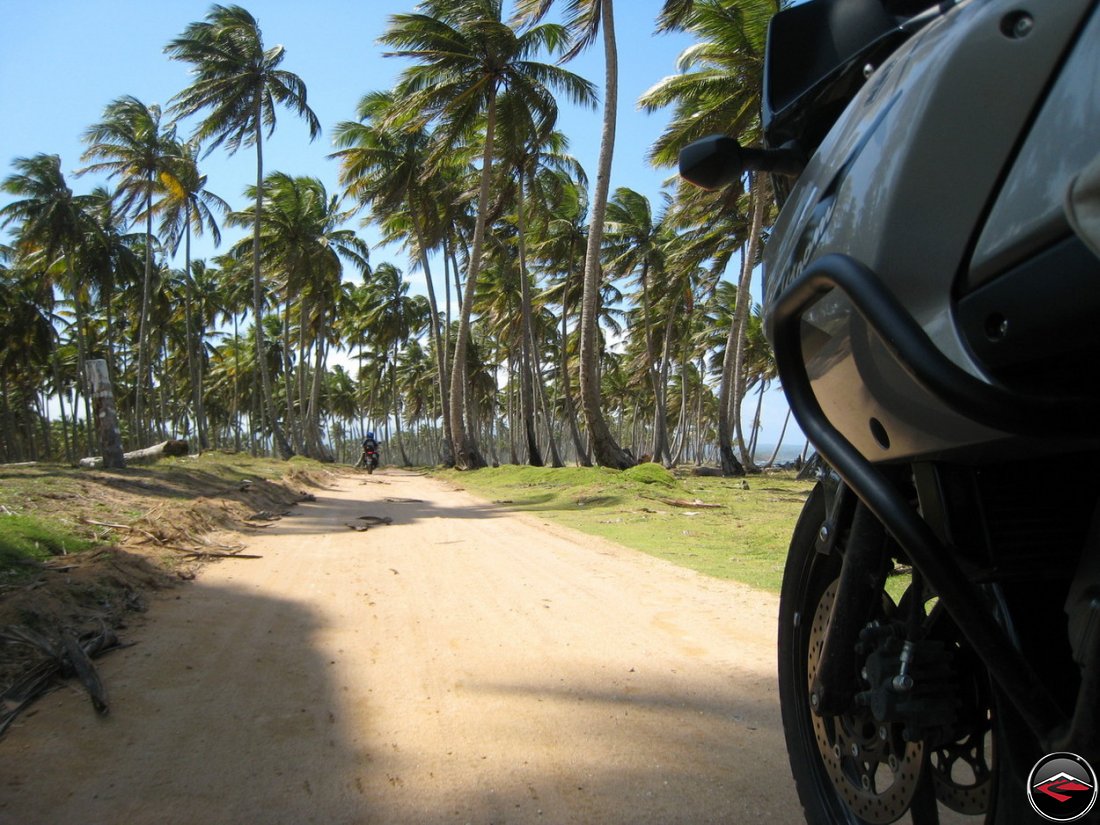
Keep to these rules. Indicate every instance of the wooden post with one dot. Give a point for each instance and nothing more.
(103, 407)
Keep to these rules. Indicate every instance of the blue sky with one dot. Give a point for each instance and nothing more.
(63, 61)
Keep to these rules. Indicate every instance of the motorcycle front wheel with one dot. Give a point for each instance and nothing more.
(850, 768)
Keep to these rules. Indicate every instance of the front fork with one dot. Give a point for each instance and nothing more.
(1015, 677)
(865, 564)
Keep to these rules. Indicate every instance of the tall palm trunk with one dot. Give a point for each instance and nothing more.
(143, 324)
(527, 390)
(192, 342)
(779, 443)
(467, 455)
(660, 428)
(741, 316)
(55, 368)
(440, 346)
(281, 444)
(607, 452)
(566, 379)
(397, 405)
(293, 430)
(660, 416)
(236, 386)
(81, 358)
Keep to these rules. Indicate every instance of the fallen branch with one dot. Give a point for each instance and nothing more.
(680, 502)
(214, 554)
(171, 447)
(67, 657)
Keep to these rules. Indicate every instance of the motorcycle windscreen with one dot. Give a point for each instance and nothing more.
(814, 57)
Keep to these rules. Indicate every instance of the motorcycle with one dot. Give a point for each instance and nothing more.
(369, 460)
(931, 290)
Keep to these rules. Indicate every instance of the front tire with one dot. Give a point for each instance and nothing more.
(850, 769)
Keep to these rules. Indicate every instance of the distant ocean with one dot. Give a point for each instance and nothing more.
(787, 453)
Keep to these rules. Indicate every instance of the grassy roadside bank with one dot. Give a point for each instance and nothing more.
(722, 527)
(52, 511)
(80, 549)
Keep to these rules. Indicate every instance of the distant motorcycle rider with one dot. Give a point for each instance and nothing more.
(369, 458)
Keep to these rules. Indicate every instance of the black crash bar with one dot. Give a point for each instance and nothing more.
(984, 403)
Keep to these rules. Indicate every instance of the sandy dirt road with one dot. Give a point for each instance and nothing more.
(462, 665)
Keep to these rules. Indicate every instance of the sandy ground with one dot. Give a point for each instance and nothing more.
(463, 664)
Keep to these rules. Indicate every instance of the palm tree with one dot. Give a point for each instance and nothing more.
(586, 19)
(563, 236)
(188, 206)
(234, 290)
(718, 90)
(53, 223)
(25, 356)
(466, 57)
(635, 244)
(529, 144)
(392, 317)
(238, 83)
(131, 144)
(304, 246)
(383, 157)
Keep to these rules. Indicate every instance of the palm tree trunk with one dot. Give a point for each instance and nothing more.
(192, 355)
(81, 380)
(729, 463)
(607, 452)
(467, 455)
(660, 439)
(281, 444)
(741, 316)
(527, 395)
(755, 436)
(143, 324)
(397, 405)
(440, 345)
(544, 406)
(566, 378)
(236, 386)
(779, 443)
(293, 430)
(314, 413)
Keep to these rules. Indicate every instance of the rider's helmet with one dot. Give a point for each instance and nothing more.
(370, 435)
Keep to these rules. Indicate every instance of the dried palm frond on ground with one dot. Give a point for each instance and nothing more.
(59, 659)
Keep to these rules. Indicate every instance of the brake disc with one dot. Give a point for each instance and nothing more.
(872, 767)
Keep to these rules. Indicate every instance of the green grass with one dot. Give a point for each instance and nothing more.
(745, 538)
(44, 508)
(26, 540)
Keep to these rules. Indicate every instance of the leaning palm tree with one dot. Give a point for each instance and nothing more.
(586, 19)
(132, 145)
(238, 84)
(466, 56)
(188, 206)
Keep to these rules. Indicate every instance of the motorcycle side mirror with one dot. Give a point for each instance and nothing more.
(717, 161)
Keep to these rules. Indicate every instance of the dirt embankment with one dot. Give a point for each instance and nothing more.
(160, 528)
